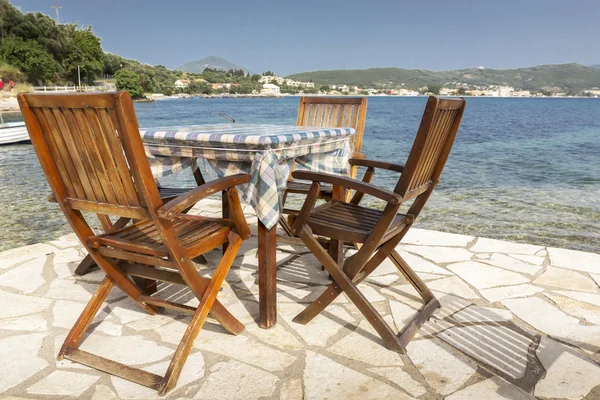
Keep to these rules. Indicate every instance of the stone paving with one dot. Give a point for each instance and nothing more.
(517, 322)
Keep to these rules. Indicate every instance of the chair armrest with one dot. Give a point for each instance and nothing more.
(348, 183)
(363, 162)
(170, 209)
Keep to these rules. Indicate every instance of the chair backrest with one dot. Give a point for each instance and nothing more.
(91, 152)
(430, 149)
(338, 112)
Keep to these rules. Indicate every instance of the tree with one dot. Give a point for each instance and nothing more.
(324, 88)
(461, 91)
(434, 88)
(255, 77)
(30, 58)
(129, 80)
(83, 51)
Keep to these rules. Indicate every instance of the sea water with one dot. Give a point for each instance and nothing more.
(525, 170)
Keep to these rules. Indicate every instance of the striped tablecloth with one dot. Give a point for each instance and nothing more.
(265, 152)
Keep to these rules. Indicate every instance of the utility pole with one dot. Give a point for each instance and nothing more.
(56, 8)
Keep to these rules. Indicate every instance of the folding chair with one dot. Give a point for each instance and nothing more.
(92, 154)
(377, 232)
(327, 112)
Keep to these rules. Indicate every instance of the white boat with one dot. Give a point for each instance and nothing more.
(13, 132)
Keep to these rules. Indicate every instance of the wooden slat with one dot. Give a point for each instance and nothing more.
(98, 165)
(319, 119)
(107, 156)
(64, 154)
(119, 157)
(168, 304)
(114, 368)
(137, 247)
(84, 154)
(56, 154)
(92, 100)
(143, 271)
(106, 208)
(138, 258)
(73, 148)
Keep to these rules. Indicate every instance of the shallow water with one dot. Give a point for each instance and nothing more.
(526, 170)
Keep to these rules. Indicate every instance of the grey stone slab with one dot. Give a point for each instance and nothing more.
(483, 314)
(318, 331)
(483, 276)
(402, 314)
(364, 344)
(15, 305)
(577, 260)
(292, 390)
(494, 388)
(20, 359)
(485, 245)
(579, 309)
(193, 371)
(453, 286)
(233, 380)
(563, 278)
(18, 255)
(27, 323)
(401, 378)
(342, 382)
(569, 374)
(439, 254)
(443, 369)
(103, 392)
(496, 346)
(506, 262)
(27, 277)
(509, 292)
(435, 238)
(591, 298)
(419, 265)
(550, 320)
(63, 383)
(129, 350)
(535, 260)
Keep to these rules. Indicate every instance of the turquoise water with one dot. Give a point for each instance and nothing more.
(525, 170)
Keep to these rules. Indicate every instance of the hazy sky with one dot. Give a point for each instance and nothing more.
(308, 35)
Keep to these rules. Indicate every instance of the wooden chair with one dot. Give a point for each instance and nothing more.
(92, 154)
(378, 232)
(327, 112)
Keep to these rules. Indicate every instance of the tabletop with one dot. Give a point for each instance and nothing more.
(264, 151)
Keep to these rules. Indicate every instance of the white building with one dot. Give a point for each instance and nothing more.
(181, 83)
(270, 89)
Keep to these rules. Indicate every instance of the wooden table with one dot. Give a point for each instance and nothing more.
(266, 152)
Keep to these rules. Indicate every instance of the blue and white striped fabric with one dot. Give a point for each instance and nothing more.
(265, 152)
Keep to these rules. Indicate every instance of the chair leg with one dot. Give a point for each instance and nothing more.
(70, 349)
(193, 329)
(345, 283)
(85, 265)
(121, 280)
(87, 316)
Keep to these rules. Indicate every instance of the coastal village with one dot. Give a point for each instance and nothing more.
(271, 87)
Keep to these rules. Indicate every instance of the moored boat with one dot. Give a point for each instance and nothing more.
(13, 132)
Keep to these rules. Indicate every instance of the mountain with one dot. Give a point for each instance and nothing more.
(595, 66)
(558, 77)
(210, 62)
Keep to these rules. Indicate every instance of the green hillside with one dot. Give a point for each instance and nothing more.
(560, 77)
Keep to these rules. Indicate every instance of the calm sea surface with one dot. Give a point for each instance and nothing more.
(526, 170)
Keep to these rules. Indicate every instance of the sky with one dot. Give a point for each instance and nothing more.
(288, 37)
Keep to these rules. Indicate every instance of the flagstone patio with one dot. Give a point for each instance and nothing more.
(517, 321)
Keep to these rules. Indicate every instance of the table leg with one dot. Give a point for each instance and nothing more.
(267, 276)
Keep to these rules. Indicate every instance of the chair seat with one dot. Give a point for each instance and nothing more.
(171, 193)
(197, 235)
(352, 223)
(303, 187)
